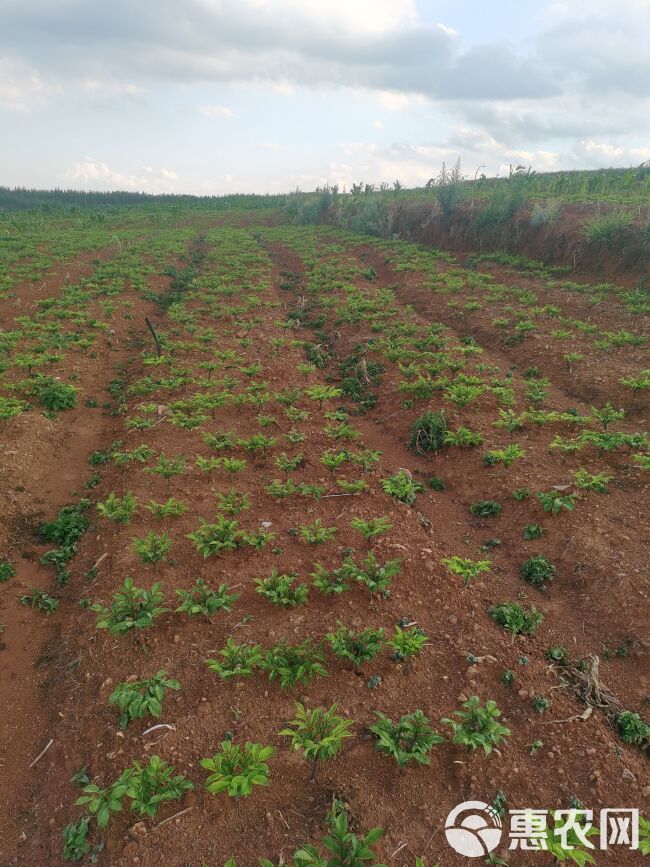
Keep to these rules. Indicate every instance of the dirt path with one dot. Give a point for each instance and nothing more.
(45, 467)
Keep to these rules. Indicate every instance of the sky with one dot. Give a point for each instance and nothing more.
(221, 96)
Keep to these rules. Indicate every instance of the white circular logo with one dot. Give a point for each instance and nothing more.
(476, 834)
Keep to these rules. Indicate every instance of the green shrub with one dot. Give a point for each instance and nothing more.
(407, 642)
(477, 726)
(463, 438)
(485, 509)
(409, 739)
(120, 510)
(375, 575)
(70, 524)
(532, 531)
(514, 618)
(505, 456)
(402, 487)
(447, 187)
(592, 482)
(151, 785)
(40, 599)
(101, 803)
(356, 647)
(315, 533)
(291, 664)
(462, 394)
(137, 699)
(538, 571)
(352, 487)
(232, 503)
(75, 840)
(633, 729)
(55, 396)
(607, 414)
(10, 407)
(427, 432)
(7, 570)
(554, 502)
(606, 228)
(153, 547)
(236, 770)
(330, 583)
(558, 653)
(201, 599)
(345, 848)
(279, 589)
(238, 660)
(167, 467)
(132, 608)
(140, 455)
(212, 539)
(172, 508)
(372, 527)
(540, 703)
(318, 733)
(468, 569)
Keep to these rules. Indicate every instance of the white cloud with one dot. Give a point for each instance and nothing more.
(96, 175)
(21, 88)
(609, 150)
(393, 100)
(372, 17)
(216, 111)
(111, 88)
(380, 45)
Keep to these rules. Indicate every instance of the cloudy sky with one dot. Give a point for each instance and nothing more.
(214, 96)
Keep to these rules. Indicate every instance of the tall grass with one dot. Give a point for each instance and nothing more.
(606, 228)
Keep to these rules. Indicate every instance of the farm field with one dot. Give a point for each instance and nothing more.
(253, 469)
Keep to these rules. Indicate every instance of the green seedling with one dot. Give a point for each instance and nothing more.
(203, 600)
(318, 733)
(477, 725)
(238, 660)
(140, 698)
(410, 739)
(237, 770)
